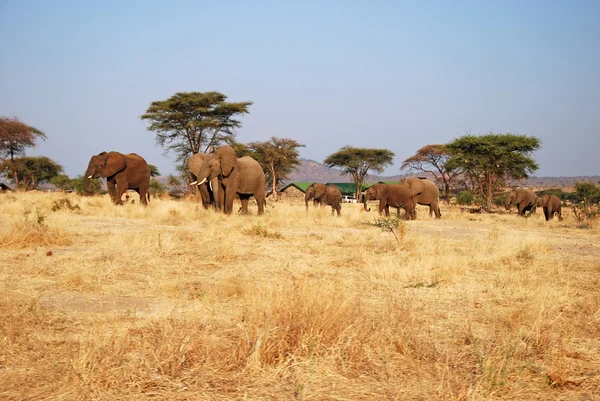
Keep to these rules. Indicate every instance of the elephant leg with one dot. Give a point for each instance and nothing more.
(244, 199)
(110, 185)
(229, 197)
(387, 210)
(143, 191)
(261, 201)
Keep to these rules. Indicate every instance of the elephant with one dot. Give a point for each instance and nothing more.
(425, 192)
(552, 206)
(394, 195)
(206, 193)
(324, 195)
(525, 199)
(229, 175)
(122, 172)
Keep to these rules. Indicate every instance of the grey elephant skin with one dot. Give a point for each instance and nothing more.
(552, 206)
(122, 172)
(230, 176)
(324, 195)
(426, 193)
(394, 195)
(206, 193)
(525, 199)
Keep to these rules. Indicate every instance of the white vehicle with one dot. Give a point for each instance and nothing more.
(348, 199)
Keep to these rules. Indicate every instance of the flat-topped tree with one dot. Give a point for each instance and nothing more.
(433, 159)
(15, 136)
(190, 122)
(489, 160)
(357, 162)
(278, 157)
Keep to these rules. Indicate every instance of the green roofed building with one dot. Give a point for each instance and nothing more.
(348, 188)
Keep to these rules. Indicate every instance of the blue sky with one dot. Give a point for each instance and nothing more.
(390, 74)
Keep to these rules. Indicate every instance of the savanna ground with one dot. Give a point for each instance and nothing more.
(172, 302)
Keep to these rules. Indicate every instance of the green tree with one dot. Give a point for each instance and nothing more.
(278, 157)
(190, 122)
(489, 160)
(15, 136)
(357, 162)
(29, 172)
(433, 159)
(64, 183)
(153, 170)
(156, 188)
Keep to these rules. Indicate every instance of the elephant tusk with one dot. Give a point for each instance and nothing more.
(202, 182)
(194, 183)
(90, 177)
(210, 185)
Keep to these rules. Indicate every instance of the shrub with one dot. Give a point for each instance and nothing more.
(465, 198)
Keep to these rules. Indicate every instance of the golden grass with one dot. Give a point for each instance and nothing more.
(176, 302)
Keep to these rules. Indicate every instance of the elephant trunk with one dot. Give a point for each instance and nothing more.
(365, 206)
(214, 184)
(306, 199)
(86, 180)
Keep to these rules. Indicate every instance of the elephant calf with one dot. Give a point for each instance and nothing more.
(324, 195)
(552, 206)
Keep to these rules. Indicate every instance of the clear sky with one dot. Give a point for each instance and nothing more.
(388, 74)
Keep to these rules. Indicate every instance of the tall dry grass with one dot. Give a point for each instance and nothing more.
(176, 302)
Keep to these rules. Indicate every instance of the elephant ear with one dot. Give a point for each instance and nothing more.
(195, 162)
(113, 163)
(226, 155)
(319, 190)
(380, 191)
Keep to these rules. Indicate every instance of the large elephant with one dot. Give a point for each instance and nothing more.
(394, 195)
(122, 172)
(552, 206)
(425, 192)
(324, 195)
(525, 199)
(229, 175)
(206, 193)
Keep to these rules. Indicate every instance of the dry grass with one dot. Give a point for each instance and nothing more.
(176, 302)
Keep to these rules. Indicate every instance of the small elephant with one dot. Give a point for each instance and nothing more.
(425, 192)
(394, 195)
(324, 195)
(552, 206)
(229, 175)
(122, 172)
(525, 199)
(206, 193)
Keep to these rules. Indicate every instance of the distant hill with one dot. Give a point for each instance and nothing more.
(310, 170)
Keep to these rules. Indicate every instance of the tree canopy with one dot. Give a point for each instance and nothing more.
(278, 156)
(357, 162)
(190, 122)
(433, 159)
(29, 172)
(489, 160)
(15, 136)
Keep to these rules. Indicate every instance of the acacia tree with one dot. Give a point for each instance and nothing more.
(357, 162)
(190, 122)
(433, 159)
(491, 159)
(278, 157)
(31, 171)
(15, 136)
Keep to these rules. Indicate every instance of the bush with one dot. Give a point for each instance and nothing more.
(465, 198)
(588, 194)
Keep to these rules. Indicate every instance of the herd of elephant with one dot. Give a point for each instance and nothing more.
(220, 176)
(527, 201)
